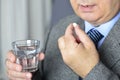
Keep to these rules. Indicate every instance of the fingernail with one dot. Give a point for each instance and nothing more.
(75, 24)
(28, 75)
(17, 68)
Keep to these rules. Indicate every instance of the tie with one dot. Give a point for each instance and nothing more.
(95, 36)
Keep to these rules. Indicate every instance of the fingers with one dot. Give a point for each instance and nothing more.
(10, 62)
(69, 30)
(41, 56)
(61, 42)
(80, 33)
(11, 56)
(14, 70)
(83, 37)
(69, 34)
(19, 75)
(70, 38)
(61, 45)
(13, 66)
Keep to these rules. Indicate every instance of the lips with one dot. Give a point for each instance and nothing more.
(86, 8)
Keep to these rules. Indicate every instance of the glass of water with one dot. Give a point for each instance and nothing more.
(27, 52)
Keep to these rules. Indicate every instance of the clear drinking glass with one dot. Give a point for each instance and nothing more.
(27, 52)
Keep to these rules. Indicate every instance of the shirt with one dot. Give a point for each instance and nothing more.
(103, 28)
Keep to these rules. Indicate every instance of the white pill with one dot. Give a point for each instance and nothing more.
(75, 24)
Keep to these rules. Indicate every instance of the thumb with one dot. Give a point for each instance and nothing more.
(41, 56)
(61, 43)
(83, 37)
(11, 56)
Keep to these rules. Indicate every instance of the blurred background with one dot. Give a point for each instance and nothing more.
(27, 19)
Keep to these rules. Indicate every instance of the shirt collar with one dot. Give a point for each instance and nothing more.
(104, 28)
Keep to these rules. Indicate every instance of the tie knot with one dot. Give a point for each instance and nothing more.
(95, 35)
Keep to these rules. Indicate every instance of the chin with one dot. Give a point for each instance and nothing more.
(89, 17)
(91, 20)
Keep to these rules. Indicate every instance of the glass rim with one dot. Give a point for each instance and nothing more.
(28, 41)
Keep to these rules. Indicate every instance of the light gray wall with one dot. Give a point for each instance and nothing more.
(21, 19)
(0, 41)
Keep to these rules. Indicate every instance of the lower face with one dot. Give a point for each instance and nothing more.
(96, 12)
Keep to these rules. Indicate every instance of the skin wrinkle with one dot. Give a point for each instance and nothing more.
(96, 17)
(77, 50)
(95, 12)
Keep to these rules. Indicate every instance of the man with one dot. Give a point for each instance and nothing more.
(77, 56)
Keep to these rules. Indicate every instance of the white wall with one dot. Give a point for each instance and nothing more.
(21, 19)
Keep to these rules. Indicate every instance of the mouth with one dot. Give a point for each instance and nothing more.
(86, 7)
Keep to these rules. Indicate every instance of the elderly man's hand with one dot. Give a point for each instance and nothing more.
(14, 70)
(78, 51)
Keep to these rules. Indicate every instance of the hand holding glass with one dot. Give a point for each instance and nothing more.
(26, 52)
